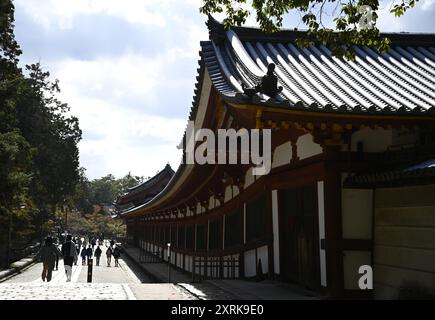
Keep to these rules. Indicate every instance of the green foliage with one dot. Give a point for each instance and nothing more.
(94, 223)
(38, 141)
(42, 120)
(354, 25)
(102, 191)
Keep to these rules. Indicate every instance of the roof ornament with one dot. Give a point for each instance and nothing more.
(267, 86)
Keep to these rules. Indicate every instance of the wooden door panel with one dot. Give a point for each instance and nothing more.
(299, 236)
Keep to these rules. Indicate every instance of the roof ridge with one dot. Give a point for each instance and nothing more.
(217, 33)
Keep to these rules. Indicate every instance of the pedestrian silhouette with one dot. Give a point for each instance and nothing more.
(69, 254)
(109, 252)
(89, 253)
(97, 255)
(83, 255)
(48, 254)
(116, 255)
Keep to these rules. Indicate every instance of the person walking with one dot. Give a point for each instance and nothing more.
(109, 255)
(97, 255)
(77, 247)
(69, 254)
(48, 254)
(89, 253)
(58, 254)
(83, 255)
(116, 255)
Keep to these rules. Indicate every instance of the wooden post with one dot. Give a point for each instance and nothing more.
(333, 226)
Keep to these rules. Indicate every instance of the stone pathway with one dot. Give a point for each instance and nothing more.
(65, 291)
(92, 291)
(108, 283)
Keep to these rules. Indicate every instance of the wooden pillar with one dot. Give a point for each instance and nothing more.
(242, 240)
(270, 251)
(333, 224)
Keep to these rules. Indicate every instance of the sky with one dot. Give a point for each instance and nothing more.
(127, 69)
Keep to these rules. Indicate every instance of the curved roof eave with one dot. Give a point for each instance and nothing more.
(400, 83)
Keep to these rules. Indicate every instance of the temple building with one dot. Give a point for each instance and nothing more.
(144, 192)
(352, 179)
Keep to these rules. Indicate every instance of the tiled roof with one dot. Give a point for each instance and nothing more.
(416, 173)
(401, 81)
(148, 185)
(150, 182)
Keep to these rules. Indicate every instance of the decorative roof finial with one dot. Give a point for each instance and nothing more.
(267, 86)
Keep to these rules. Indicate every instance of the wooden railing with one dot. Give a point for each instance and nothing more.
(150, 256)
(214, 268)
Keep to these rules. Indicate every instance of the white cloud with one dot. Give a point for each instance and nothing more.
(117, 137)
(129, 74)
(63, 12)
(427, 5)
(117, 141)
(118, 98)
(387, 22)
(101, 157)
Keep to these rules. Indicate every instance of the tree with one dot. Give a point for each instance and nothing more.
(355, 21)
(83, 198)
(42, 120)
(15, 151)
(128, 181)
(102, 191)
(38, 141)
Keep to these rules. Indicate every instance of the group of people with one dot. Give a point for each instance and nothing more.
(70, 251)
(86, 253)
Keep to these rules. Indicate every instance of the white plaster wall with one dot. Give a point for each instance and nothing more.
(188, 263)
(275, 225)
(249, 178)
(250, 264)
(357, 207)
(262, 253)
(352, 260)
(321, 214)
(228, 194)
(179, 260)
(404, 136)
(374, 140)
(211, 203)
(306, 147)
(282, 154)
(236, 191)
